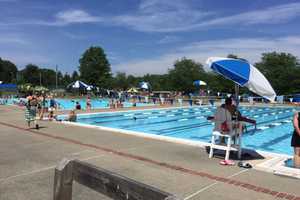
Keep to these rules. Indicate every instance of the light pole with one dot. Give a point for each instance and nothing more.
(40, 78)
(56, 76)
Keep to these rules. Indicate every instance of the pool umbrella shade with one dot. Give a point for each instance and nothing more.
(199, 83)
(132, 90)
(144, 85)
(78, 85)
(243, 74)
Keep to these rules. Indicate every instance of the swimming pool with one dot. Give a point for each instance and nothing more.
(69, 104)
(273, 134)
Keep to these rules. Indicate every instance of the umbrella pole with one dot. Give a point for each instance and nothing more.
(236, 120)
(237, 95)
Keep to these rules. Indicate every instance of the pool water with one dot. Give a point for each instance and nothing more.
(69, 104)
(273, 133)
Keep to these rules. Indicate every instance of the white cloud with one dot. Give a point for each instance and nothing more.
(248, 48)
(166, 16)
(62, 18)
(169, 39)
(161, 16)
(75, 16)
(171, 16)
(271, 15)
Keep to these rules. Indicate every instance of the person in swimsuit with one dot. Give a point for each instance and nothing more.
(295, 142)
(88, 103)
(72, 116)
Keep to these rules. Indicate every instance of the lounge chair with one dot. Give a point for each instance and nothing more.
(232, 136)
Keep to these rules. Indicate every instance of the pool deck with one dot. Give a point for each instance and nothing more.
(28, 158)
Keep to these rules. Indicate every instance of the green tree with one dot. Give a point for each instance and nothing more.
(75, 76)
(133, 81)
(48, 77)
(232, 56)
(282, 70)
(157, 81)
(60, 78)
(184, 73)
(120, 81)
(66, 79)
(94, 67)
(31, 74)
(8, 71)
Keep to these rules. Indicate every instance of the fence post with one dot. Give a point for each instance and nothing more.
(63, 180)
(110, 184)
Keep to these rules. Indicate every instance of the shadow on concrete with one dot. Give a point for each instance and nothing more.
(247, 154)
(40, 127)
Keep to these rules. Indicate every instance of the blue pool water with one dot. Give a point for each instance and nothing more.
(69, 104)
(273, 134)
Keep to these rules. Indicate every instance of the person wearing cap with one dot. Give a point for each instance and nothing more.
(30, 111)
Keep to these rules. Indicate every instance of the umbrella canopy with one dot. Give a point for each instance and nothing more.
(199, 82)
(243, 74)
(40, 88)
(144, 85)
(78, 85)
(132, 90)
(89, 87)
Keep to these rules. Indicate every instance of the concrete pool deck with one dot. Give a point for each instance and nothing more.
(28, 159)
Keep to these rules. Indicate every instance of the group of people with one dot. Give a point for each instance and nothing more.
(37, 105)
(88, 104)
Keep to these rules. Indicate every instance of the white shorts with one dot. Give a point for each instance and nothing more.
(51, 109)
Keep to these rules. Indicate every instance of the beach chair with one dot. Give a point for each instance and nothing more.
(280, 99)
(232, 136)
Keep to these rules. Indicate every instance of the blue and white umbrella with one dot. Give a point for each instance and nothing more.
(199, 83)
(243, 74)
(144, 85)
(78, 84)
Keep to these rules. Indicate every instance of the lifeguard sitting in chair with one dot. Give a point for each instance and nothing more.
(228, 124)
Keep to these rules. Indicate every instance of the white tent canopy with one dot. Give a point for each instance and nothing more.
(80, 85)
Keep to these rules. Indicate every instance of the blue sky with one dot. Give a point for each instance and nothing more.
(145, 36)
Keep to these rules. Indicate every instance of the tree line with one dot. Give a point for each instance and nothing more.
(281, 69)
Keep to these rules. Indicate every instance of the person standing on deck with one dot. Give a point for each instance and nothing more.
(295, 142)
(30, 111)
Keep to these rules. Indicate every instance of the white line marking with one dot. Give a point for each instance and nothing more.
(180, 120)
(170, 115)
(27, 173)
(211, 185)
(70, 157)
(152, 117)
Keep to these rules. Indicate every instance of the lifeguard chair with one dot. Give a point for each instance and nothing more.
(232, 135)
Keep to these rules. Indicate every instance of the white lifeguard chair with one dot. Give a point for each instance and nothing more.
(232, 137)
